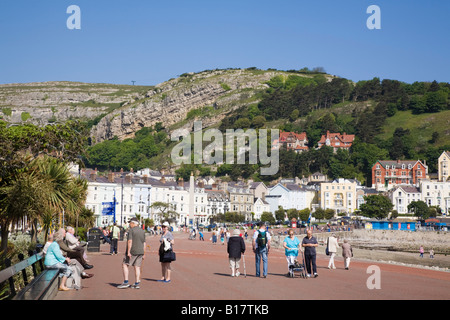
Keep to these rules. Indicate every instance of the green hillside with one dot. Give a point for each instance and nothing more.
(421, 126)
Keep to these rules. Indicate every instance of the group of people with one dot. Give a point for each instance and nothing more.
(111, 236)
(292, 245)
(135, 254)
(64, 251)
(422, 251)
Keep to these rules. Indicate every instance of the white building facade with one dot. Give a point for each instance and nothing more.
(436, 193)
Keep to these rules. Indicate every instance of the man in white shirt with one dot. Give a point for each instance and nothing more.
(73, 242)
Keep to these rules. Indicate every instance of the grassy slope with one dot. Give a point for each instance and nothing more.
(421, 126)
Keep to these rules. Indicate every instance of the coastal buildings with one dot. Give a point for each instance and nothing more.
(387, 174)
(289, 196)
(436, 193)
(339, 195)
(444, 166)
(402, 196)
(198, 200)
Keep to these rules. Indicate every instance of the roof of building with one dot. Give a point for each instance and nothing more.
(333, 138)
(285, 134)
(398, 163)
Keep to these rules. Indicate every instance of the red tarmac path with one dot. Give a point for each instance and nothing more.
(201, 272)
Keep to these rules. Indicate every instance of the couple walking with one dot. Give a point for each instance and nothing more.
(260, 244)
(332, 248)
(135, 254)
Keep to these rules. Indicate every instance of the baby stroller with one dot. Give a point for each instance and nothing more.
(299, 268)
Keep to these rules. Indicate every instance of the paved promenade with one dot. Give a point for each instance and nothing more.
(201, 272)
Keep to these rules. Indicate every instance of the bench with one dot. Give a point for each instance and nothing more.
(44, 285)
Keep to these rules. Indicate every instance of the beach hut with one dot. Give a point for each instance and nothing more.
(391, 225)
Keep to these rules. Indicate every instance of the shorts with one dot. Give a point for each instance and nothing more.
(135, 261)
(234, 262)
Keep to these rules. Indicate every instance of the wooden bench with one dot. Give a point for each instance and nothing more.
(44, 285)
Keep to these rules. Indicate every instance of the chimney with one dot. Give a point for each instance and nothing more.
(146, 179)
(181, 182)
(163, 179)
(201, 184)
(94, 175)
(111, 177)
(128, 179)
(121, 170)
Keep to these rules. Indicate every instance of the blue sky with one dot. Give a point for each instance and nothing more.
(152, 41)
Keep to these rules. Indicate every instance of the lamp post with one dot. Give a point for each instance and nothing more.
(121, 202)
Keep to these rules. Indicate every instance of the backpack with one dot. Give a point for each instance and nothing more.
(262, 239)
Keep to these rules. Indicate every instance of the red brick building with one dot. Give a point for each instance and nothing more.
(387, 174)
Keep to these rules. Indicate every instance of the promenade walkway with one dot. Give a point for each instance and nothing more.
(201, 272)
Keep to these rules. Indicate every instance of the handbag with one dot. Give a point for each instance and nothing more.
(326, 249)
(169, 256)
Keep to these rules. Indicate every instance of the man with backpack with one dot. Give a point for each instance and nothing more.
(261, 246)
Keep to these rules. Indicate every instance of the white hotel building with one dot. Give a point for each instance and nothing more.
(136, 194)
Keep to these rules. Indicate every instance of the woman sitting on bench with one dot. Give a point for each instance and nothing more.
(55, 260)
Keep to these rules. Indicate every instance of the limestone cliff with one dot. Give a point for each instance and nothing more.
(170, 102)
(125, 109)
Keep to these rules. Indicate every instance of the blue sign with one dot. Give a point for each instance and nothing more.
(109, 208)
(108, 211)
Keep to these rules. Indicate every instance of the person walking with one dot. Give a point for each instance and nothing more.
(235, 247)
(431, 253)
(291, 245)
(347, 253)
(134, 254)
(261, 246)
(332, 246)
(214, 237)
(114, 235)
(165, 240)
(421, 251)
(310, 243)
(222, 236)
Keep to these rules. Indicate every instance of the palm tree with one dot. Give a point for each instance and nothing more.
(65, 192)
(47, 220)
(23, 196)
(40, 191)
